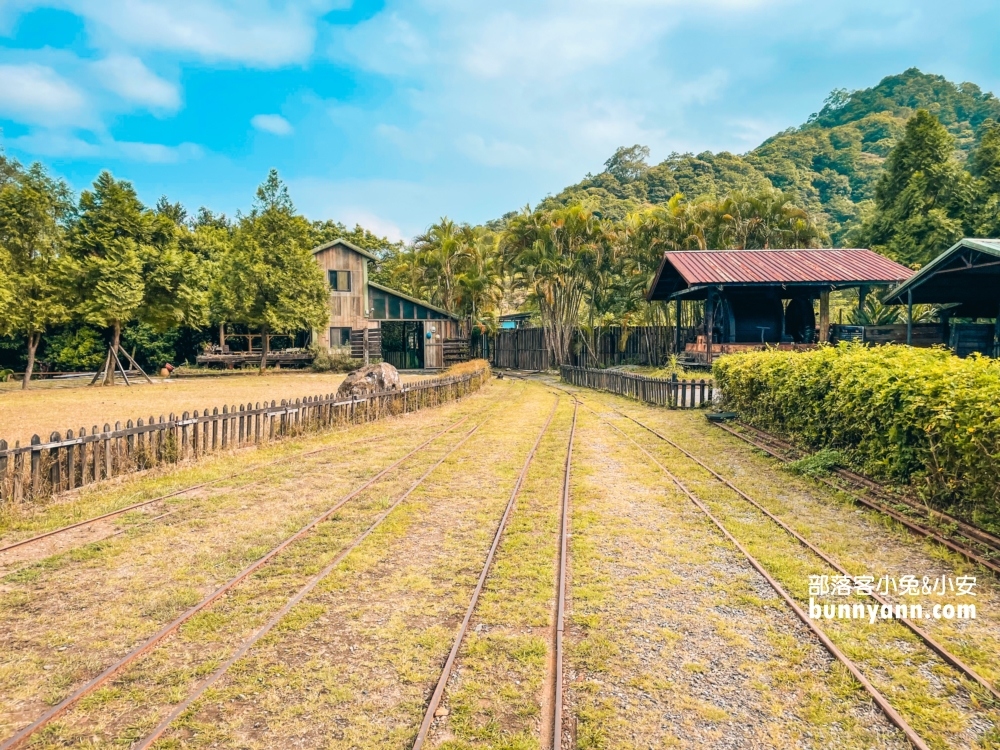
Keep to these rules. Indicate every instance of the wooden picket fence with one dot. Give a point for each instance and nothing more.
(672, 393)
(73, 460)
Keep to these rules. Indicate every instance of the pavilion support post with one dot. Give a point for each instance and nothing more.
(996, 336)
(862, 296)
(909, 317)
(709, 325)
(824, 316)
(677, 326)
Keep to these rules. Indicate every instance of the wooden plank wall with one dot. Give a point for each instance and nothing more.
(525, 348)
(81, 457)
(669, 392)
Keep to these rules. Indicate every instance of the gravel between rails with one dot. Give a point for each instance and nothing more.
(677, 642)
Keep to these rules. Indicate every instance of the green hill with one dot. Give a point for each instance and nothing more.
(830, 163)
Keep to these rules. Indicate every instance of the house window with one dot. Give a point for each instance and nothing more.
(393, 308)
(340, 337)
(378, 304)
(340, 281)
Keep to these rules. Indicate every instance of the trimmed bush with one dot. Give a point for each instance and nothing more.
(919, 416)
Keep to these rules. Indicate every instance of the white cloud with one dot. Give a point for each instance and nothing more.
(259, 33)
(275, 124)
(36, 94)
(59, 144)
(130, 79)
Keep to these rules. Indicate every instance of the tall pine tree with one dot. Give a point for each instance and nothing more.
(923, 197)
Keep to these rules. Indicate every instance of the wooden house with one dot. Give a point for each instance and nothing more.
(406, 332)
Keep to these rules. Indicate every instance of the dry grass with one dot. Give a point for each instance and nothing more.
(495, 697)
(44, 409)
(66, 617)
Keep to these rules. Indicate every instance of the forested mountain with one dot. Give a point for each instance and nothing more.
(830, 164)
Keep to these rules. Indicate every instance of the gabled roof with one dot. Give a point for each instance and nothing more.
(414, 300)
(349, 245)
(682, 273)
(967, 274)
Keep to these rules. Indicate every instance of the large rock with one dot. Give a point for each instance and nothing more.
(371, 379)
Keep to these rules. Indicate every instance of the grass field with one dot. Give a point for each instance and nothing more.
(672, 639)
(48, 407)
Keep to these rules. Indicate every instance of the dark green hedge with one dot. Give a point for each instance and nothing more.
(920, 416)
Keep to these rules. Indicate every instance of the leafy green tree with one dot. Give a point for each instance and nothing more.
(33, 211)
(628, 163)
(129, 265)
(922, 197)
(268, 278)
(984, 165)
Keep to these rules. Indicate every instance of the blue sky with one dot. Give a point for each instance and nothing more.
(392, 113)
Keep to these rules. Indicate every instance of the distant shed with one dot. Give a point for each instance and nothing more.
(753, 297)
(967, 277)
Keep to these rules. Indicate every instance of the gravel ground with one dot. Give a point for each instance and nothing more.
(677, 642)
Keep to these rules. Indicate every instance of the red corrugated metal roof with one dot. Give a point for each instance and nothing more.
(785, 266)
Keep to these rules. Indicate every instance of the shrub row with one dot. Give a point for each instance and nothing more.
(919, 416)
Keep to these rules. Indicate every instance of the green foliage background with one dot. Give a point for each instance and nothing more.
(831, 164)
(921, 416)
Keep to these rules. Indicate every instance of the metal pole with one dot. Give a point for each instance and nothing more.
(909, 317)
(677, 326)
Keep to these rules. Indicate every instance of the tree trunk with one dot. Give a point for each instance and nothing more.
(33, 340)
(263, 349)
(222, 338)
(109, 373)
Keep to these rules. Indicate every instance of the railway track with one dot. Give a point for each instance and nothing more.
(557, 678)
(438, 694)
(24, 735)
(311, 584)
(175, 493)
(880, 700)
(928, 640)
(974, 544)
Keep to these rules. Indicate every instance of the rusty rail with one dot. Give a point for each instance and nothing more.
(831, 647)
(175, 493)
(22, 736)
(936, 647)
(438, 694)
(298, 597)
(560, 624)
(919, 529)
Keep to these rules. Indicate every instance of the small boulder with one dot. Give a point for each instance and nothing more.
(368, 380)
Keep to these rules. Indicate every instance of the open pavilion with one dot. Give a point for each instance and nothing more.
(758, 297)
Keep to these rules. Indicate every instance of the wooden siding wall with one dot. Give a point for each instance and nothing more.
(347, 309)
(525, 348)
(79, 458)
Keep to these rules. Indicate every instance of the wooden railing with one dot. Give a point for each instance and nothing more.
(72, 460)
(672, 393)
